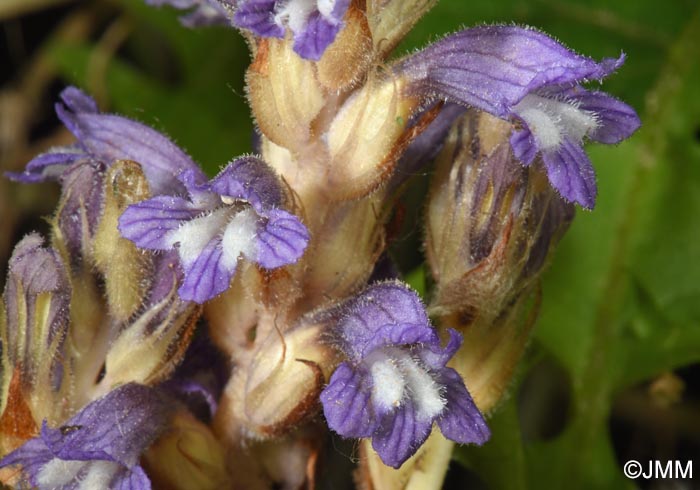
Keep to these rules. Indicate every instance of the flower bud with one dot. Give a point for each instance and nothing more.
(124, 267)
(34, 317)
(187, 456)
(491, 225)
(368, 136)
(284, 94)
(347, 60)
(390, 21)
(85, 315)
(350, 242)
(275, 390)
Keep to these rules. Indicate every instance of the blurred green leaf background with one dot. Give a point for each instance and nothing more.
(617, 345)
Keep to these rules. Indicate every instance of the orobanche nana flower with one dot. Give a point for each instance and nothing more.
(315, 23)
(395, 384)
(100, 446)
(107, 138)
(525, 76)
(235, 214)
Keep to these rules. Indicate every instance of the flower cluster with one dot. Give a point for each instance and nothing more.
(280, 261)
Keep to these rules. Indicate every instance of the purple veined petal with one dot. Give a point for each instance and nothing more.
(281, 240)
(399, 435)
(207, 276)
(258, 16)
(109, 137)
(315, 24)
(167, 273)
(78, 101)
(204, 12)
(493, 67)
(32, 455)
(194, 180)
(117, 427)
(318, 33)
(435, 356)
(48, 166)
(82, 196)
(570, 172)
(386, 313)
(425, 147)
(135, 479)
(394, 386)
(346, 402)
(616, 120)
(208, 13)
(249, 179)
(524, 146)
(149, 223)
(100, 446)
(319, 29)
(460, 421)
(197, 186)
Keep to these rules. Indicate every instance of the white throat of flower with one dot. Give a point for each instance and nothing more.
(91, 474)
(552, 120)
(396, 376)
(295, 14)
(237, 228)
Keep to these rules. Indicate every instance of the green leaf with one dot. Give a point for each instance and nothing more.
(618, 302)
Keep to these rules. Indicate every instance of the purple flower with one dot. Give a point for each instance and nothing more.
(315, 23)
(235, 214)
(106, 138)
(99, 447)
(202, 12)
(394, 384)
(525, 76)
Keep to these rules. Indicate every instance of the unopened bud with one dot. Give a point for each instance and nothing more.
(368, 136)
(187, 456)
(492, 224)
(284, 94)
(125, 268)
(347, 60)
(390, 21)
(279, 387)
